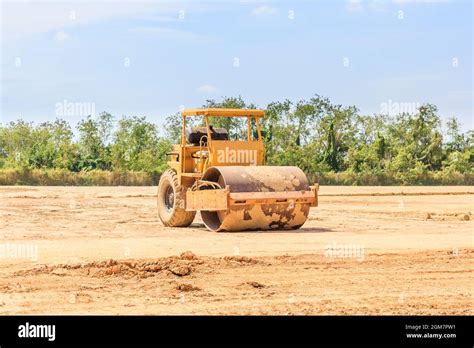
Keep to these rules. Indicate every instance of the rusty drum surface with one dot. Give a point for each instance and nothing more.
(248, 182)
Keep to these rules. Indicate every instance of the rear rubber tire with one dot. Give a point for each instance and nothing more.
(172, 201)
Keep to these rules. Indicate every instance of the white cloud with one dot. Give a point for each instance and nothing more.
(164, 19)
(61, 36)
(158, 18)
(172, 34)
(354, 5)
(377, 5)
(382, 5)
(263, 11)
(27, 17)
(403, 2)
(209, 89)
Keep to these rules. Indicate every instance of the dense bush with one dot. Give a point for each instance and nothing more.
(59, 177)
(133, 146)
(333, 144)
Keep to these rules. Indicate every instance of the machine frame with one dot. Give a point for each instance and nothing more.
(191, 161)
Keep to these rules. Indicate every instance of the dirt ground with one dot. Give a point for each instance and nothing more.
(364, 250)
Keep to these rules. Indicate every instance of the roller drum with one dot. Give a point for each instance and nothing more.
(281, 215)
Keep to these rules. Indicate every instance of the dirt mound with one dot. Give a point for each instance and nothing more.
(451, 216)
(465, 217)
(240, 259)
(255, 285)
(186, 287)
(183, 265)
(188, 255)
(177, 265)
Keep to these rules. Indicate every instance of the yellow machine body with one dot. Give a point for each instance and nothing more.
(227, 181)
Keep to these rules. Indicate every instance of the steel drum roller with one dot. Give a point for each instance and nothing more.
(244, 215)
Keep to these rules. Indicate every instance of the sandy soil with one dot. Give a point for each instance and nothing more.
(364, 250)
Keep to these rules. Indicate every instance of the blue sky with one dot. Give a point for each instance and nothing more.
(151, 58)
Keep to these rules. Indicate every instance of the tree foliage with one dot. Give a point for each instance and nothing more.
(315, 135)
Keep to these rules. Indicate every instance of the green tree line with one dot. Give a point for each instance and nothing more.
(131, 144)
(325, 140)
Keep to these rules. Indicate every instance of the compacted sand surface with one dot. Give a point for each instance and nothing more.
(364, 250)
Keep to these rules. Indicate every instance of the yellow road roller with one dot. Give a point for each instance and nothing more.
(227, 180)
